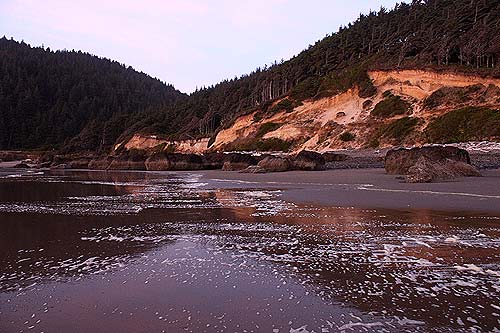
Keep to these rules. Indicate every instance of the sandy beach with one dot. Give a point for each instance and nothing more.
(370, 188)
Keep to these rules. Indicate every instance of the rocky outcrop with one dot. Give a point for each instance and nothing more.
(129, 160)
(237, 161)
(399, 161)
(430, 164)
(62, 166)
(80, 163)
(178, 162)
(275, 164)
(126, 164)
(334, 157)
(100, 163)
(427, 171)
(305, 160)
(213, 161)
(22, 165)
(309, 161)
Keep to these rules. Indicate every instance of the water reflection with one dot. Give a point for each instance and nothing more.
(321, 268)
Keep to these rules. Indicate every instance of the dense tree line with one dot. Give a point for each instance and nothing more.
(459, 35)
(48, 98)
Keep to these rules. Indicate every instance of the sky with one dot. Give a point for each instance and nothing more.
(188, 43)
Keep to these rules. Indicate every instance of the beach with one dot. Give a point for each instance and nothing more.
(371, 188)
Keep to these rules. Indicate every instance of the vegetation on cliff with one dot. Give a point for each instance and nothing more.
(467, 124)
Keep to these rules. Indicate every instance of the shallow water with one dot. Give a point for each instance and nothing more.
(152, 252)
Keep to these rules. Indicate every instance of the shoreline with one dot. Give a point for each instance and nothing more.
(370, 189)
(366, 188)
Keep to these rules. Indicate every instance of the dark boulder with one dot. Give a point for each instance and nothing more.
(430, 164)
(426, 171)
(213, 161)
(334, 157)
(126, 164)
(62, 166)
(80, 163)
(309, 161)
(100, 163)
(275, 164)
(129, 160)
(22, 165)
(173, 161)
(271, 164)
(238, 161)
(398, 161)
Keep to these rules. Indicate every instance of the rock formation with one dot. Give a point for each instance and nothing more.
(430, 164)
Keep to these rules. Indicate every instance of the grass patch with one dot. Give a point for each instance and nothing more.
(347, 136)
(391, 106)
(467, 124)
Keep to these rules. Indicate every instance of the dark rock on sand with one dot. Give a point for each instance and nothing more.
(213, 161)
(100, 163)
(430, 164)
(334, 157)
(275, 164)
(44, 165)
(80, 163)
(270, 164)
(22, 165)
(305, 160)
(61, 166)
(427, 171)
(399, 161)
(129, 160)
(309, 161)
(237, 161)
(172, 161)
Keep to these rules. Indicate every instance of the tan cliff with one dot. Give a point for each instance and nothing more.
(317, 124)
(145, 142)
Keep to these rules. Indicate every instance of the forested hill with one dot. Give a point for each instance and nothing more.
(46, 98)
(449, 35)
(50, 99)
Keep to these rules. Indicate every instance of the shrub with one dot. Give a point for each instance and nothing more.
(266, 128)
(374, 143)
(467, 124)
(452, 95)
(391, 106)
(284, 105)
(171, 148)
(273, 144)
(400, 128)
(347, 136)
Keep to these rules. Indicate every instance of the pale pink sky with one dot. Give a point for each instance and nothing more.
(187, 43)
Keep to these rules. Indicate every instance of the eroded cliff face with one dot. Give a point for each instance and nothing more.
(145, 142)
(322, 124)
(318, 124)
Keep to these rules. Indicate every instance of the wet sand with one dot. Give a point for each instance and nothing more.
(89, 251)
(371, 188)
